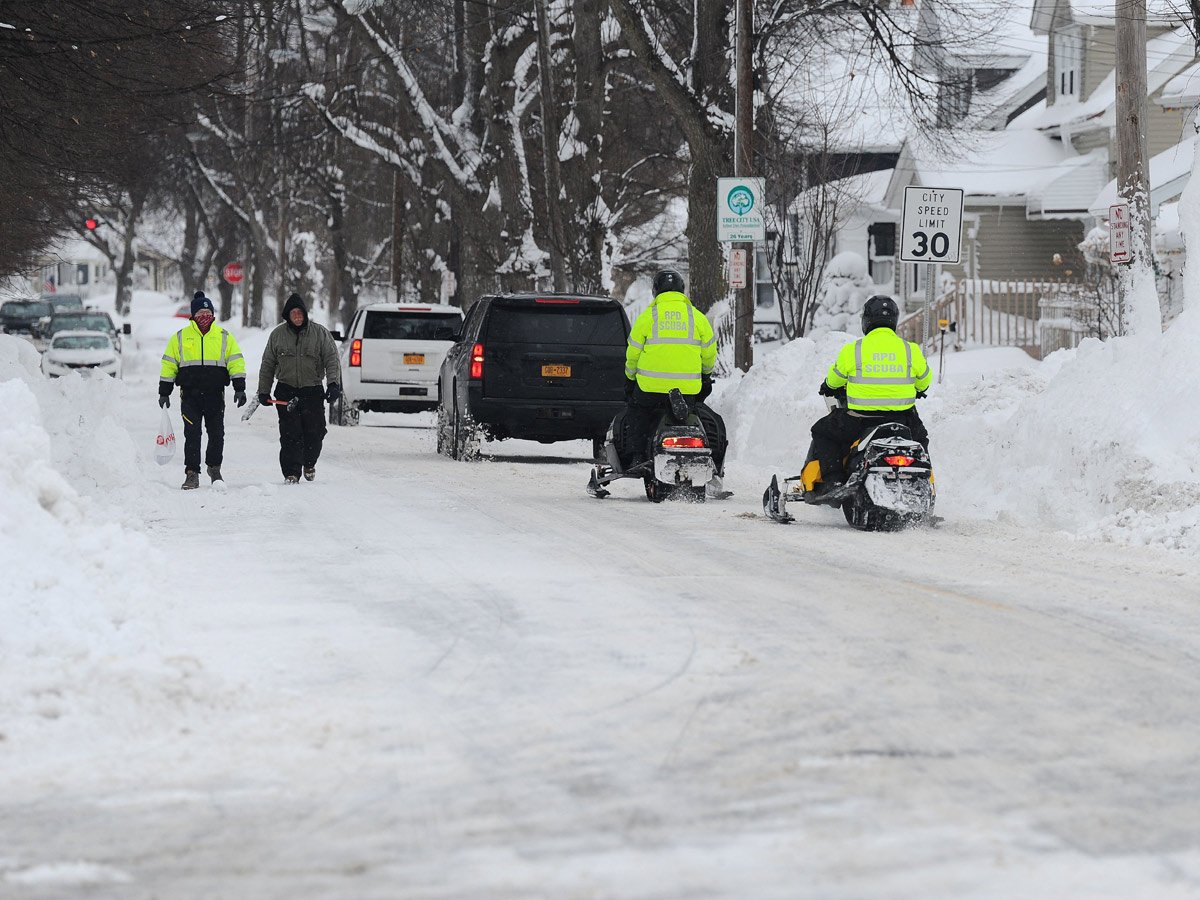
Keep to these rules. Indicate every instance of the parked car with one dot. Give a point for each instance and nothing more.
(24, 316)
(64, 302)
(83, 320)
(390, 359)
(184, 311)
(542, 367)
(84, 352)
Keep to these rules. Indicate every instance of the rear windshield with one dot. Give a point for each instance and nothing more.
(25, 308)
(86, 323)
(408, 326)
(82, 342)
(557, 324)
(67, 302)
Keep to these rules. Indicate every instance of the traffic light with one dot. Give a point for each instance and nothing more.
(90, 224)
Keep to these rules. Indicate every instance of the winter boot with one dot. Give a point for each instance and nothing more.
(214, 473)
(291, 479)
(310, 473)
(191, 480)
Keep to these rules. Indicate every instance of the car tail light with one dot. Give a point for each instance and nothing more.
(690, 443)
(899, 460)
(356, 352)
(554, 300)
(477, 361)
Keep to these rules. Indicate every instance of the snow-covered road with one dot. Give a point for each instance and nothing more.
(415, 678)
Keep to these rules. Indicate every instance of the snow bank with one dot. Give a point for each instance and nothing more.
(1098, 441)
(84, 597)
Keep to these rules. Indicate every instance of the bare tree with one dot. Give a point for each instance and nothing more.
(83, 84)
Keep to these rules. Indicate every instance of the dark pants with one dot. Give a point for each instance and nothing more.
(302, 430)
(643, 413)
(833, 435)
(207, 407)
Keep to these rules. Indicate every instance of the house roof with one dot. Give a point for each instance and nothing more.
(866, 192)
(1169, 172)
(851, 100)
(1098, 12)
(1166, 56)
(1182, 91)
(1002, 165)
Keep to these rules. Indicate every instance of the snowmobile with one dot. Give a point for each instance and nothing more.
(679, 460)
(889, 487)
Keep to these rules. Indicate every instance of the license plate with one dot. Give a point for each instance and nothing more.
(556, 371)
(414, 359)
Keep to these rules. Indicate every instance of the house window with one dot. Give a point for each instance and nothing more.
(1068, 61)
(81, 273)
(764, 289)
(881, 251)
(954, 96)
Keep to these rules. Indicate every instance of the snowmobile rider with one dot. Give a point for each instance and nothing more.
(881, 375)
(301, 354)
(671, 345)
(202, 359)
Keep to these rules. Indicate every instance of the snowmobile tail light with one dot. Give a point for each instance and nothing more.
(356, 353)
(477, 361)
(690, 443)
(899, 460)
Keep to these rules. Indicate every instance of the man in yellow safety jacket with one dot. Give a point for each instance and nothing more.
(671, 345)
(881, 376)
(202, 359)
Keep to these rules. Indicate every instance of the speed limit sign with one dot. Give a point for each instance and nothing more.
(932, 225)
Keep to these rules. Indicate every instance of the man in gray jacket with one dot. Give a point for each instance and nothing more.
(300, 354)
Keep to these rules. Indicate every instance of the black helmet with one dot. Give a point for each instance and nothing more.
(667, 280)
(879, 312)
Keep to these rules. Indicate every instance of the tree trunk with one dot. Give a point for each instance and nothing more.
(124, 273)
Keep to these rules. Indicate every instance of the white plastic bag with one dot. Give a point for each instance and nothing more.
(164, 451)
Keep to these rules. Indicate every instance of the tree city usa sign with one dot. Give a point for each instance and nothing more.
(740, 210)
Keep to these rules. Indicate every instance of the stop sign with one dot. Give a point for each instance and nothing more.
(233, 273)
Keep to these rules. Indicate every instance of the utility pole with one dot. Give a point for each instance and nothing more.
(1139, 298)
(743, 167)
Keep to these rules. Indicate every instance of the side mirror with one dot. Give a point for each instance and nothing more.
(337, 335)
(126, 328)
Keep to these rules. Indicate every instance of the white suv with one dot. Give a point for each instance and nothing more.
(390, 359)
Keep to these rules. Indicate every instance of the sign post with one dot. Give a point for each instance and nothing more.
(931, 234)
(741, 220)
(233, 272)
(1120, 246)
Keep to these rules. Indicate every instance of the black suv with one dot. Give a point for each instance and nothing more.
(24, 316)
(541, 367)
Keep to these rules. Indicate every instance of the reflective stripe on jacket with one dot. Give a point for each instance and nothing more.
(880, 371)
(670, 346)
(202, 361)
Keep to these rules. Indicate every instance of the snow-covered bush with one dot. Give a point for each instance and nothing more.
(845, 287)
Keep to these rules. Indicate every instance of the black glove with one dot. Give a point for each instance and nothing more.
(826, 391)
(264, 399)
(920, 395)
(332, 392)
(164, 400)
(706, 387)
(239, 397)
(630, 384)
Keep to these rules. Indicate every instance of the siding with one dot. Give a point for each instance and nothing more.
(1012, 247)
(1099, 56)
